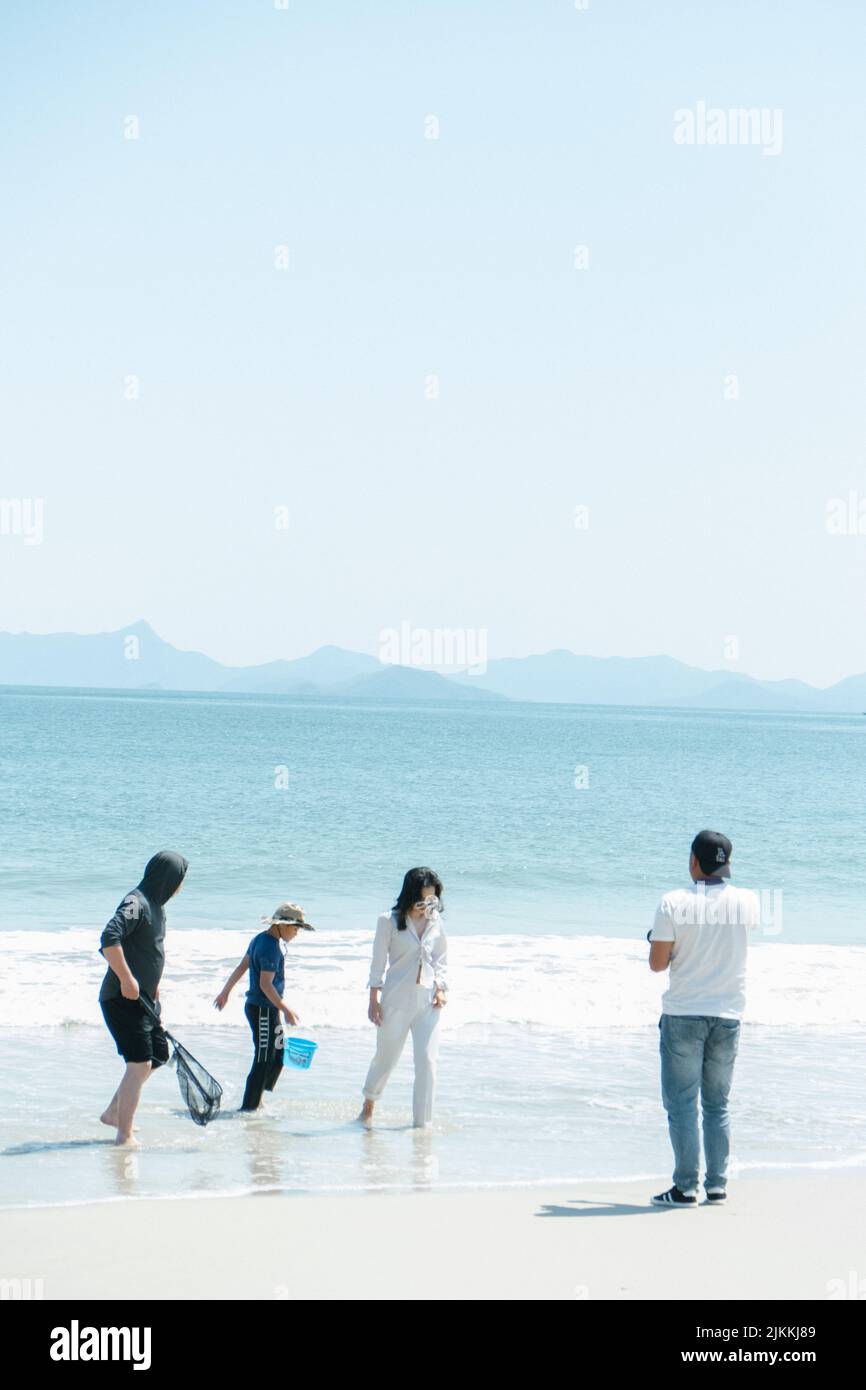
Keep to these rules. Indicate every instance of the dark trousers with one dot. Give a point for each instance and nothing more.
(268, 1039)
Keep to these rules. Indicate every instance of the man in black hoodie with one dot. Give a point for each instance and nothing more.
(133, 945)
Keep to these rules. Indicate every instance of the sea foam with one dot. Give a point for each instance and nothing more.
(562, 984)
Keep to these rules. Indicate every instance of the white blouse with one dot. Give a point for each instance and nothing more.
(404, 951)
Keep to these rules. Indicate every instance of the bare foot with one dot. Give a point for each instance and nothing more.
(128, 1141)
(366, 1116)
(109, 1117)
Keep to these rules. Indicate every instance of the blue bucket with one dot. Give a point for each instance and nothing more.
(298, 1052)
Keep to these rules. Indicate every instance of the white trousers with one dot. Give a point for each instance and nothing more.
(408, 1012)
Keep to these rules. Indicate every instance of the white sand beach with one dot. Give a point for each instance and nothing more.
(777, 1238)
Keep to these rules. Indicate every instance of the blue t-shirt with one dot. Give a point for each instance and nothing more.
(266, 953)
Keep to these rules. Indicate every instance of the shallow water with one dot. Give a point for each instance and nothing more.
(514, 1106)
(548, 1069)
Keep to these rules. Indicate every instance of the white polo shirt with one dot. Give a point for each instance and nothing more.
(709, 926)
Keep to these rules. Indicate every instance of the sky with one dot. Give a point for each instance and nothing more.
(396, 418)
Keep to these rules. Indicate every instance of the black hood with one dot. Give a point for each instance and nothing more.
(163, 876)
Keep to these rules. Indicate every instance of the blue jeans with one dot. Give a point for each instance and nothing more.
(698, 1055)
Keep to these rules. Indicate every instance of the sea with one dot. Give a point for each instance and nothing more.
(555, 830)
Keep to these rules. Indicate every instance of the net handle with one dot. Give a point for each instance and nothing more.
(151, 1011)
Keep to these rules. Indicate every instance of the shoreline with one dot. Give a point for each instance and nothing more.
(797, 1239)
(650, 1182)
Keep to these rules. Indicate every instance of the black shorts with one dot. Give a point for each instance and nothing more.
(138, 1037)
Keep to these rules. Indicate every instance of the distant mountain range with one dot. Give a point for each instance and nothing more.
(561, 677)
(136, 658)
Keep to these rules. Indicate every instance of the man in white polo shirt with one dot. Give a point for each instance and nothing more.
(701, 933)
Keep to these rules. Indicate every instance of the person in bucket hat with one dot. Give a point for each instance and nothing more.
(264, 1008)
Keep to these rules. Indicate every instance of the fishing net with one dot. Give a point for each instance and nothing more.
(199, 1089)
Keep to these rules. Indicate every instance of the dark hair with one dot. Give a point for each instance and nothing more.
(414, 883)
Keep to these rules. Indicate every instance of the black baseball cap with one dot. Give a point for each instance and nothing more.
(713, 852)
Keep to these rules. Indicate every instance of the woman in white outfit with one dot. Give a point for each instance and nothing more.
(410, 944)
